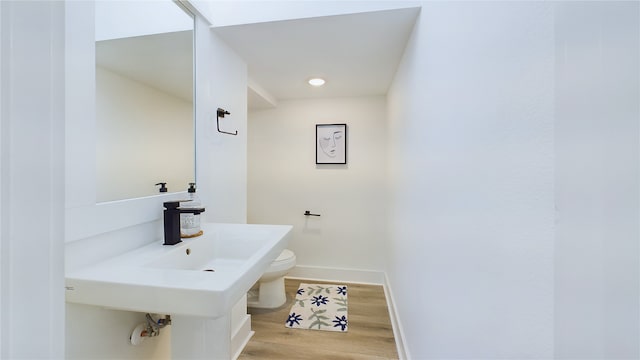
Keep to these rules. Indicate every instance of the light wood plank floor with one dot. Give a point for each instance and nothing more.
(370, 335)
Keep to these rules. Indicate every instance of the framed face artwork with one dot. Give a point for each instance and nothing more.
(331, 143)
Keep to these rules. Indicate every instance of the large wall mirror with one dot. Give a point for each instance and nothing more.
(144, 98)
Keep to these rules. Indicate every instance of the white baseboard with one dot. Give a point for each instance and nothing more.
(332, 274)
(358, 277)
(398, 333)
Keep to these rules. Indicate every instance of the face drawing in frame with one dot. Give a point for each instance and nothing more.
(331, 144)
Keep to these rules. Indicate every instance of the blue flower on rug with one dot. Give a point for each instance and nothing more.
(341, 321)
(319, 300)
(342, 290)
(300, 291)
(294, 318)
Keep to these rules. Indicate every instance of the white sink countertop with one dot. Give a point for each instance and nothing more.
(177, 279)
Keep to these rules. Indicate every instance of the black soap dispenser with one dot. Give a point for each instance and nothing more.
(163, 187)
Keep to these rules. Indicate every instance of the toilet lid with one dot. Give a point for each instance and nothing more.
(285, 255)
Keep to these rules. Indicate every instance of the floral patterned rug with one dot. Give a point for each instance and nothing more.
(319, 307)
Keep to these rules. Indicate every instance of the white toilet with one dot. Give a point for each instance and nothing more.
(268, 292)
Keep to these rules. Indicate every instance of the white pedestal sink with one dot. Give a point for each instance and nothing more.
(196, 282)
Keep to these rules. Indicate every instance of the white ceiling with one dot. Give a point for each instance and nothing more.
(357, 54)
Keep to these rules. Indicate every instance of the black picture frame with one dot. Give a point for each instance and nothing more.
(331, 144)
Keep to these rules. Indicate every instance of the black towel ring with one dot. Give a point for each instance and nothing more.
(220, 114)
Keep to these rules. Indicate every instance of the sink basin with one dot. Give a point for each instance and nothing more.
(203, 276)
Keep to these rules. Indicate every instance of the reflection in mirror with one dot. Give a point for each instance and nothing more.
(144, 98)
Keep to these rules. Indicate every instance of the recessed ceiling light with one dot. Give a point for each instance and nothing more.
(316, 82)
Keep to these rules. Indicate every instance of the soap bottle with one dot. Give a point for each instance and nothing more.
(190, 223)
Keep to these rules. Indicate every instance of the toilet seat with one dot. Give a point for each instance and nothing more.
(285, 255)
(285, 261)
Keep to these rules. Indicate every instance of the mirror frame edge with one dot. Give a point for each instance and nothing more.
(103, 217)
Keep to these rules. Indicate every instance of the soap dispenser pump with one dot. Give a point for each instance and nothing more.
(163, 187)
(190, 223)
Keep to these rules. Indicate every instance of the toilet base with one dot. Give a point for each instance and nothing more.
(269, 295)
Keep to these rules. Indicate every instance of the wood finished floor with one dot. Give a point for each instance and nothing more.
(370, 335)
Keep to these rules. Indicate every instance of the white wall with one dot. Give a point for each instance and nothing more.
(93, 332)
(32, 127)
(284, 180)
(471, 248)
(80, 106)
(221, 160)
(597, 102)
(514, 181)
(143, 131)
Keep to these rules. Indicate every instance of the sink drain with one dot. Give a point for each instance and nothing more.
(210, 270)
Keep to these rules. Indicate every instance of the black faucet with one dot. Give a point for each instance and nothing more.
(172, 211)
